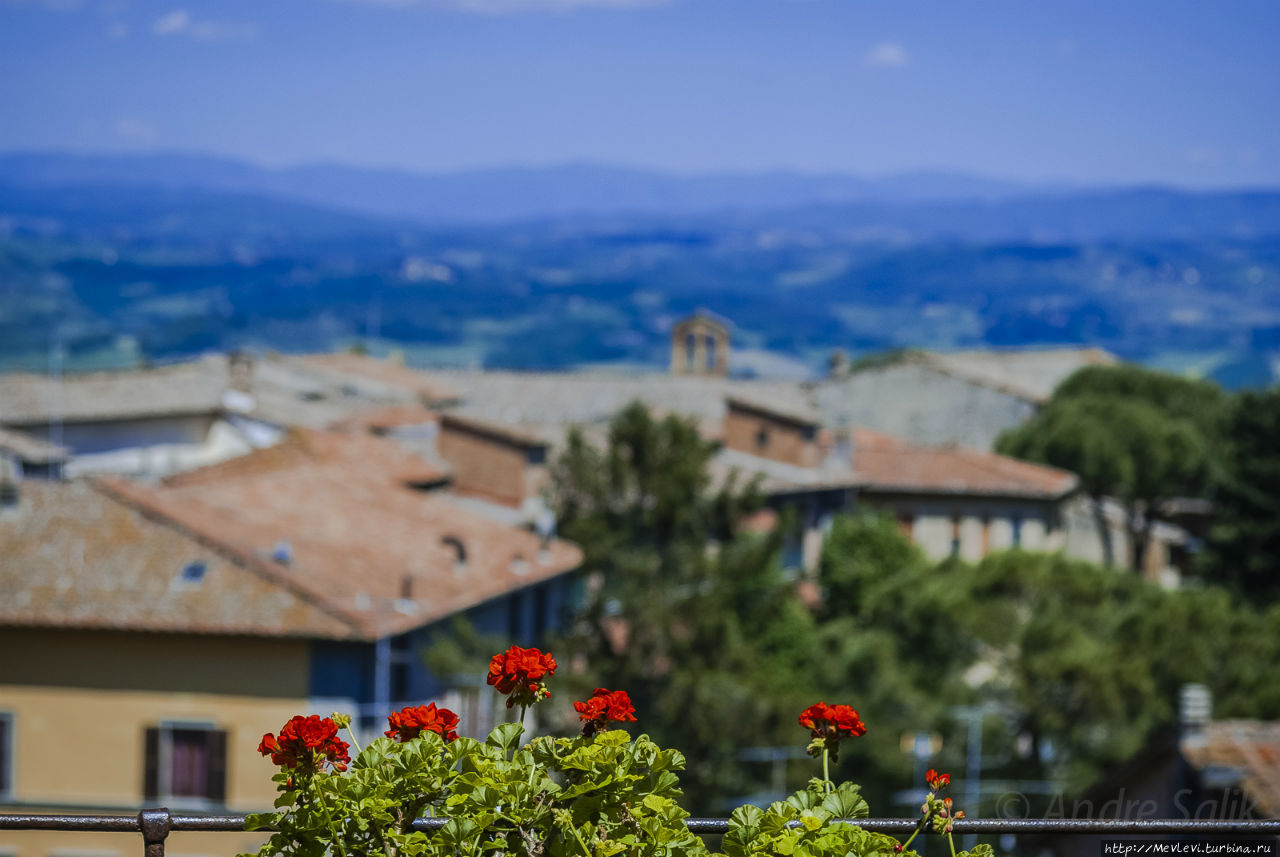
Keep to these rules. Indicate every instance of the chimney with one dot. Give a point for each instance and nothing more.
(10, 479)
(240, 372)
(1195, 710)
(838, 364)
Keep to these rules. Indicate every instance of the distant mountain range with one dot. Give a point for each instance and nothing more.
(128, 258)
(515, 193)
(911, 206)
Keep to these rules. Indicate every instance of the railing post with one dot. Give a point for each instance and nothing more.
(155, 824)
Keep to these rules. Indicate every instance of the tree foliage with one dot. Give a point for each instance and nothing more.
(694, 618)
(1140, 436)
(690, 615)
(1245, 538)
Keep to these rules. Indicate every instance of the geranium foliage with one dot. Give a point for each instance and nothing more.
(598, 794)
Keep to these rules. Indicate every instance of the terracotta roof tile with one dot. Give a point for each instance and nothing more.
(388, 418)
(73, 556)
(181, 389)
(357, 536)
(387, 372)
(886, 463)
(1250, 746)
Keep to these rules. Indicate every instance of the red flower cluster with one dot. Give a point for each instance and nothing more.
(827, 724)
(604, 707)
(306, 743)
(519, 673)
(408, 723)
(938, 812)
(832, 721)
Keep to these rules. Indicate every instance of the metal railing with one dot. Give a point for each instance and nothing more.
(155, 825)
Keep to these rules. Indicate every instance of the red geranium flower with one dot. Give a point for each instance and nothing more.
(409, 723)
(827, 724)
(832, 721)
(519, 673)
(604, 707)
(936, 780)
(306, 743)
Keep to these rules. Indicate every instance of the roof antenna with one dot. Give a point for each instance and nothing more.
(55, 393)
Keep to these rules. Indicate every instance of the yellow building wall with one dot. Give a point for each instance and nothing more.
(80, 703)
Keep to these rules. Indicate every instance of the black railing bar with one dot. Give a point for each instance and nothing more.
(156, 824)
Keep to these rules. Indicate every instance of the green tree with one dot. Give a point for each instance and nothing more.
(688, 614)
(1244, 541)
(1140, 436)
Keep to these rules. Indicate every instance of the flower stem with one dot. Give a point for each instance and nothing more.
(578, 836)
(826, 770)
(952, 843)
(354, 743)
(914, 834)
(328, 817)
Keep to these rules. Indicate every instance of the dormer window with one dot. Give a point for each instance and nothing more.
(455, 546)
(193, 573)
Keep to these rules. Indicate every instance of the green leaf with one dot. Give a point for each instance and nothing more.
(505, 737)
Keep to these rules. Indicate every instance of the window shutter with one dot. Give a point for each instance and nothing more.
(5, 737)
(217, 786)
(151, 765)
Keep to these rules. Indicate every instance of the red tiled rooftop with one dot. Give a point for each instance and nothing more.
(388, 372)
(72, 556)
(354, 530)
(1251, 747)
(886, 463)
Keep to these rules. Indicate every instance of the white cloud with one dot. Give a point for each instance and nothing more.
(887, 55)
(173, 23)
(136, 130)
(47, 5)
(180, 22)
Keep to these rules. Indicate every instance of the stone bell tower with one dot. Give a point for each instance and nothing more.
(700, 345)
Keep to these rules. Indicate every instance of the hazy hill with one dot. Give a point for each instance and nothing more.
(916, 206)
(128, 258)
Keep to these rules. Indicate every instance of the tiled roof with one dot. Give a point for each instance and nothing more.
(386, 372)
(30, 449)
(72, 556)
(1032, 373)
(510, 434)
(882, 462)
(179, 390)
(358, 538)
(388, 418)
(549, 398)
(1249, 749)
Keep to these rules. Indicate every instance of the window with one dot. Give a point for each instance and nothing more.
(711, 352)
(459, 552)
(1015, 526)
(193, 572)
(185, 760)
(955, 535)
(762, 437)
(6, 754)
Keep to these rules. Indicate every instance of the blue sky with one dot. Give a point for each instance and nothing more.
(1043, 90)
